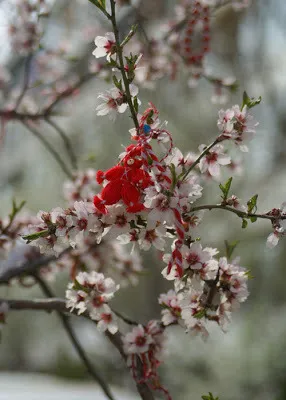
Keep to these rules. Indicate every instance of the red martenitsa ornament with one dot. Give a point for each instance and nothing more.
(126, 182)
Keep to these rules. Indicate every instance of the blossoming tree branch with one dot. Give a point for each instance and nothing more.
(147, 198)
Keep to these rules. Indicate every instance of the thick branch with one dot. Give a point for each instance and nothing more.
(68, 328)
(59, 305)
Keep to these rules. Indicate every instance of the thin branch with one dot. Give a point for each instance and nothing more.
(27, 73)
(66, 93)
(18, 116)
(69, 330)
(127, 320)
(65, 140)
(28, 268)
(121, 65)
(48, 146)
(241, 214)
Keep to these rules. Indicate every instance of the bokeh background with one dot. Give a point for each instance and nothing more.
(246, 363)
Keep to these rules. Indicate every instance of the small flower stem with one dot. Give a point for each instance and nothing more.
(207, 149)
(121, 65)
(127, 320)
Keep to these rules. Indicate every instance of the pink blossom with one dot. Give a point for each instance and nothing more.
(106, 46)
(238, 125)
(212, 161)
(137, 341)
(172, 310)
(115, 101)
(105, 320)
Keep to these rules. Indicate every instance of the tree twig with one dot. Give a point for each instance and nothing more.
(49, 147)
(85, 78)
(241, 214)
(65, 140)
(27, 73)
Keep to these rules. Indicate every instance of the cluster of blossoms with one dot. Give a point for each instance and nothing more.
(108, 256)
(237, 124)
(144, 200)
(60, 228)
(25, 31)
(211, 289)
(145, 344)
(185, 43)
(91, 292)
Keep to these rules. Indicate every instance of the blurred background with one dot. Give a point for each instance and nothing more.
(246, 363)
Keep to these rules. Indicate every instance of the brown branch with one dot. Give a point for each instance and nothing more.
(9, 115)
(80, 351)
(59, 305)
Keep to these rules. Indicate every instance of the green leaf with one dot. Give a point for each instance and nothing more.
(129, 36)
(117, 82)
(229, 248)
(99, 3)
(77, 285)
(249, 275)
(209, 397)
(174, 176)
(225, 188)
(36, 235)
(250, 102)
(244, 223)
(200, 314)
(253, 219)
(252, 204)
